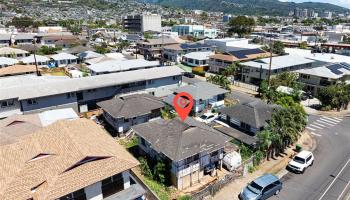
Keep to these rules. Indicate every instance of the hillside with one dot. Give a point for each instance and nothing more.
(248, 7)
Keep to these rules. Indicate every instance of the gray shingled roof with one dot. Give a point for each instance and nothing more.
(201, 90)
(255, 113)
(131, 106)
(179, 140)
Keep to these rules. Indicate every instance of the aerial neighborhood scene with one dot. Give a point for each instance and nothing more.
(174, 99)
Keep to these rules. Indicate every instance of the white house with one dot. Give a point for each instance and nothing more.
(40, 60)
(200, 58)
(64, 59)
(4, 61)
(13, 52)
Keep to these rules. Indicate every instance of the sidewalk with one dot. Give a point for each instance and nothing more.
(333, 113)
(277, 167)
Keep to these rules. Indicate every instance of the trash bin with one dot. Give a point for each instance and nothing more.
(298, 148)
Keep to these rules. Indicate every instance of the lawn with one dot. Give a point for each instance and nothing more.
(58, 73)
(184, 67)
(163, 192)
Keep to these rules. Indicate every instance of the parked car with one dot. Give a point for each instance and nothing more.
(301, 161)
(232, 160)
(189, 74)
(207, 117)
(261, 188)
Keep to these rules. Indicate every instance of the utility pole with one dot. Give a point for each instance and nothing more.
(270, 64)
(36, 63)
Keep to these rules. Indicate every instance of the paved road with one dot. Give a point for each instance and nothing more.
(328, 178)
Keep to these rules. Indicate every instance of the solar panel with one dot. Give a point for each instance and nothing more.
(335, 69)
(240, 54)
(194, 46)
(346, 65)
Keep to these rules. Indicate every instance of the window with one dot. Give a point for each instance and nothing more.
(77, 195)
(32, 102)
(308, 159)
(150, 81)
(143, 142)
(70, 95)
(112, 185)
(126, 120)
(7, 103)
(175, 77)
(269, 187)
(245, 126)
(305, 76)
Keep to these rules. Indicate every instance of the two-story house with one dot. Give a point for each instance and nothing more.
(125, 111)
(188, 147)
(175, 52)
(316, 78)
(69, 159)
(153, 48)
(220, 61)
(24, 38)
(256, 71)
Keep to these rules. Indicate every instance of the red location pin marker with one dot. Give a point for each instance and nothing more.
(183, 103)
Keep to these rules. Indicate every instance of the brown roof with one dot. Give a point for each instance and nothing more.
(74, 154)
(11, 128)
(17, 69)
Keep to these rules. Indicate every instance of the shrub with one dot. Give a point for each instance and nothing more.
(145, 169)
(159, 171)
(298, 147)
(185, 197)
(259, 156)
(199, 73)
(251, 169)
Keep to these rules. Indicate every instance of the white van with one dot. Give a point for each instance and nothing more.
(232, 160)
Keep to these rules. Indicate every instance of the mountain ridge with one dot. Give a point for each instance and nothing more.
(249, 7)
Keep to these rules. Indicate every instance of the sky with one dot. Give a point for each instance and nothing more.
(344, 3)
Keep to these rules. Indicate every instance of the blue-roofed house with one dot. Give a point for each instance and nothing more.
(175, 52)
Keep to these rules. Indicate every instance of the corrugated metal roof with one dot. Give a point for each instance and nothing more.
(31, 86)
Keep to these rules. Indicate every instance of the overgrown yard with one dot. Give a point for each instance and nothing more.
(163, 192)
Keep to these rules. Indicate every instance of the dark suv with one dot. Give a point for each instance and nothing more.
(261, 188)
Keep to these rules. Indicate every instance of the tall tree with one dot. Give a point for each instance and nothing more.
(241, 25)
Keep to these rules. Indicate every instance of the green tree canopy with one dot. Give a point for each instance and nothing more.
(277, 48)
(241, 25)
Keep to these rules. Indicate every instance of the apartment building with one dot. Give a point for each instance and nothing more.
(32, 94)
(142, 23)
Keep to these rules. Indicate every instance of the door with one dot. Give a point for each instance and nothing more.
(268, 191)
(80, 96)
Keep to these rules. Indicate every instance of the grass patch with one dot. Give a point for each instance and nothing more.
(129, 143)
(163, 192)
(185, 68)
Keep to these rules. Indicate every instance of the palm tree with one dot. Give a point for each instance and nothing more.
(220, 80)
(265, 142)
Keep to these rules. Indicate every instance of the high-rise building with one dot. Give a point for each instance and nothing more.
(142, 23)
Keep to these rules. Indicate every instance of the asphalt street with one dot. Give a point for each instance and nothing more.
(329, 177)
